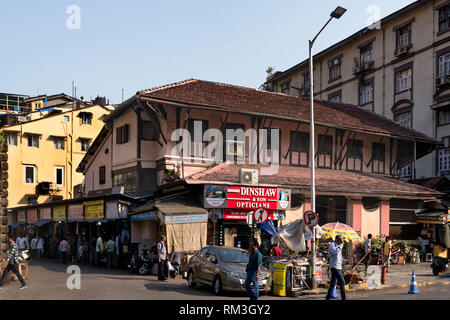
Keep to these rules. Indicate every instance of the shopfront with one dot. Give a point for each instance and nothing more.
(229, 208)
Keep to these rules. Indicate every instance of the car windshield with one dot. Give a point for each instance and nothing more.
(233, 256)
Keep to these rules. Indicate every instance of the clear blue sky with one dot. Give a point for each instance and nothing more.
(139, 44)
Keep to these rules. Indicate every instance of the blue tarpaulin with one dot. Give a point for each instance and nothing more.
(40, 223)
(268, 227)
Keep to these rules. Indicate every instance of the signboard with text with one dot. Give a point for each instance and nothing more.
(45, 214)
(59, 213)
(94, 210)
(235, 214)
(75, 212)
(247, 197)
(21, 216)
(32, 216)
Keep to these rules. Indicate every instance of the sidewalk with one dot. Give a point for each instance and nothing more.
(399, 276)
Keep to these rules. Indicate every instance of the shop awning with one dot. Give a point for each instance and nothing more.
(174, 207)
(41, 223)
(433, 218)
(98, 220)
(144, 216)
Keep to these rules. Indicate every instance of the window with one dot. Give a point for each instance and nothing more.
(405, 172)
(86, 118)
(29, 174)
(366, 56)
(122, 134)
(354, 155)
(148, 131)
(334, 66)
(444, 116)
(85, 144)
(102, 175)
(403, 39)
(299, 155)
(33, 141)
(285, 87)
(127, 179)
(58, 143)
(234, 145)
(11, 139)
(404, 119)
(324, 151)
(444, 18)
(66, 118)
(444, 160)
(378, 157)
(59, 176)
(201, 125)
(403, 80)
(366, 94)
(335, 97)
(444, 65)
(306, 84)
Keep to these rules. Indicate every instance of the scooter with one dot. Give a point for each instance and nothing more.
(439, 265)
(140, 264)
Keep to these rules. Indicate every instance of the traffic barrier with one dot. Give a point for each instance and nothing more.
(413, 289)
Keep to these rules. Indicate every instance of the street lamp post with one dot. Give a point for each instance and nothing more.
(337, 13)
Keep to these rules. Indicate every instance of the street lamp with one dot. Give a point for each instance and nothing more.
(337, 13)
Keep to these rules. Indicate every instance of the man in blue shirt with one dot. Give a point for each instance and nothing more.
(253, 270)
(336, 260)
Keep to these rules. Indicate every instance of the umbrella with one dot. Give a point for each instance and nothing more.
(331, 230)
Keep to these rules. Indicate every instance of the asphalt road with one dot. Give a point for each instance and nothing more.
(48, 281)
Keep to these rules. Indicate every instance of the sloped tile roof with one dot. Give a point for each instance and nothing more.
(225, 97)
(327, 181)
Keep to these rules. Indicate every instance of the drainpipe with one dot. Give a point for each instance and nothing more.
(415, 157)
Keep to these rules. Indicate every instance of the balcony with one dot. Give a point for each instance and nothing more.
(362, 67)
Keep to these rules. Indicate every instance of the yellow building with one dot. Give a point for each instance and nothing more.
(43, 154)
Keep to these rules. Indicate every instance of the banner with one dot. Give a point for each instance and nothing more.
(21, 216)
(45, 214)
(75, 212)
(94, 210)
(59, 213)
(32, 216)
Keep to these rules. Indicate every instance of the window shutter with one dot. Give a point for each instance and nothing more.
(125, 133)
(119, 135)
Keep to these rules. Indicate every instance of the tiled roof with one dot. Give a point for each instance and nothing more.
(327, 181)
(219, 96)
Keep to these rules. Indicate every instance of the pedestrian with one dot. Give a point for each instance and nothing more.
(336, 260)
(387, 253)
(368, 249)
(92, 244)
(85, 258)
(64, 249)
(22, 242)
(253, 270)
(54, 247)
(34, 247)
(162, 259)
(110, 252)
(98, 249)
(80, 252)
(13, 264)
(40, 247)
(275, 251)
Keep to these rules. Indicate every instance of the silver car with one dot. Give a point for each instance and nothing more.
(223, 268)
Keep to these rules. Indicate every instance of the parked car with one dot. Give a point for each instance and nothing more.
(223, 268)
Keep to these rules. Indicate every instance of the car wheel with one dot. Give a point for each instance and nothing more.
(217, 286)
(190, 279)
(143, 270)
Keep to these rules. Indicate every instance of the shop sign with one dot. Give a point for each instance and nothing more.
(21, 217)
(234, 214)
(59, 213)
(75, 212)
(143, 216)
(45, 214)
(247, 197)
(32, 216)
(194, 218)
(94, 210)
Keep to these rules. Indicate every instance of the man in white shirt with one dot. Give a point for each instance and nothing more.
(98, 249)
(162, 252)
(34, 247)
(22, 242)
(40, 247)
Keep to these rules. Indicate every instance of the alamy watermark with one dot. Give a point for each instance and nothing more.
(74, 280)
(73, 22)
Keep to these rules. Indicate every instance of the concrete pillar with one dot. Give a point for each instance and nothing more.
(356, 214)
(385, 217)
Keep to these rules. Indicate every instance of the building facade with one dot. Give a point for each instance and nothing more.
(357, 152)
(399, 69)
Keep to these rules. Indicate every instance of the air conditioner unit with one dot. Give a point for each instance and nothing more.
(249, 176)
(44, 188)
(235, 148)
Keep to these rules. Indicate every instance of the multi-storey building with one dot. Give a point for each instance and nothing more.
(357, 153)
(399, 69)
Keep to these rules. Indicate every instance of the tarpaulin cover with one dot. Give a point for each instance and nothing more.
(40, 223)
(182, 237)
(268, 227)
(444, 235)
(293, 235)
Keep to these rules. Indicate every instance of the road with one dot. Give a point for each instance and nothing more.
(48, 281)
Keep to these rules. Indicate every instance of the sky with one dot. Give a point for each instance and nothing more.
(138, 44)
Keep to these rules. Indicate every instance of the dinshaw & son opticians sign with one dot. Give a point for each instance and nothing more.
(247, 197)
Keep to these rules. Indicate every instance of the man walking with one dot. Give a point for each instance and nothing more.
(336, 260)
(22, 242)
(34, 247)
(162, 256)
(253, 270)
(368, 249)
(98, 249)
(13, 264)
(40, 247)
(64, 248)
(387, 252)
(109, 248)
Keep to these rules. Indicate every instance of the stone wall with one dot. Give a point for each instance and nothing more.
(3, 200)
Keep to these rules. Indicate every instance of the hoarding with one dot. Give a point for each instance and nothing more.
(75, 212)
(45, 214)
(59, 213)
(32, 216)
(94, 210)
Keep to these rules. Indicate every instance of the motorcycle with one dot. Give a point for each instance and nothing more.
(325, 256)
(439, 265)
(140, 264)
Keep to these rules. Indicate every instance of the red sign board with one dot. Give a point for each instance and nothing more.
(241, 197)
(32, 216)
(233, 214)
